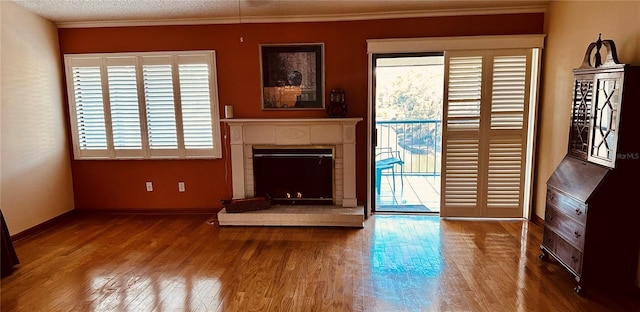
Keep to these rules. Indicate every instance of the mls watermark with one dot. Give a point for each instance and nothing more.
(633, 156)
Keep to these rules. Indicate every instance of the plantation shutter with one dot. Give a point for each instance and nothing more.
(141, 106)
(124, 98)
(90, 134)
(463, 92)
(160, 105)
(508, 133)
(485, 133)
(195, 99)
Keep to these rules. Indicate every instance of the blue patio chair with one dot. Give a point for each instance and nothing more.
(386, 158)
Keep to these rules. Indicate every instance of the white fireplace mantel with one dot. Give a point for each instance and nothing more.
(338, 132)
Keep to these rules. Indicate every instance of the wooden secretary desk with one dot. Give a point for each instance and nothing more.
(591, 217)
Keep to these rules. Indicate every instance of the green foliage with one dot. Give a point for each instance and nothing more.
(409, 92)
(412, 93)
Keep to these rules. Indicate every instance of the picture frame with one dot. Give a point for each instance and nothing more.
(292, 76)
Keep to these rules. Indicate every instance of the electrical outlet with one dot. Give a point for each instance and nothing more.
(181, 187)
(149, 186)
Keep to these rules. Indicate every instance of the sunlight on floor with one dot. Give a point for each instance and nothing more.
(413, 194)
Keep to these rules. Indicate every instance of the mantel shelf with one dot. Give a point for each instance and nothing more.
(292, 120)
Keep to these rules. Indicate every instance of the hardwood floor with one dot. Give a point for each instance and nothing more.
(121, 262)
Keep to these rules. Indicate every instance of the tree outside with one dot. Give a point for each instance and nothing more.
(411, 89)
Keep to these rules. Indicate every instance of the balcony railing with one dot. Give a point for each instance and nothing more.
(418, 141)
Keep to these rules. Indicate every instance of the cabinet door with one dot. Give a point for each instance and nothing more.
(603, 139)
(581, 116)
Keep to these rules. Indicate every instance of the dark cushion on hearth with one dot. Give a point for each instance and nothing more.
(247, 204)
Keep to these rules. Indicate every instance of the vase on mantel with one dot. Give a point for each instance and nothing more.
(336, 106)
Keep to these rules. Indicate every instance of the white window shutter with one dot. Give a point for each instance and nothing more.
(508, 92)
(196, 106)
(125, 116)
(505, 172)
(461, 172)
(461, 137)
(507, 133)
(160, 105)
(465, 87)
(87, 108)
(485, 132)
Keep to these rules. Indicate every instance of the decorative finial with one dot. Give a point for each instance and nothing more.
(610, 59)
(598, 58)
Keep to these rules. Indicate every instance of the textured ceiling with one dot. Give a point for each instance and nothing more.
(69, 12)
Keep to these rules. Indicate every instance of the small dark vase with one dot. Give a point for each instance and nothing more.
(336, 106)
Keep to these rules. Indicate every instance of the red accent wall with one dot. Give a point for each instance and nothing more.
(118, 184)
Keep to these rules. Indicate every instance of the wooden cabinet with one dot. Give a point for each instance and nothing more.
(591, 211)
(595, 115)
(581, 116)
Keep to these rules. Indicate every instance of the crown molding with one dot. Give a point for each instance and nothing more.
(404, 45)
(157, 22)
(305, 18)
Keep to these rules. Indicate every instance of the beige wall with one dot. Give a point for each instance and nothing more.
(35, 174)
(571, 26)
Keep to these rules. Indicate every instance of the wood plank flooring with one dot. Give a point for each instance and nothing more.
(127, 262)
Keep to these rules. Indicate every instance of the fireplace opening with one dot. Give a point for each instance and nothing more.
(295, 176)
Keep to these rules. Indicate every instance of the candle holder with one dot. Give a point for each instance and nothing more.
(337, 106)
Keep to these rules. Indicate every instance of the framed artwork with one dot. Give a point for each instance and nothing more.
(292, 76)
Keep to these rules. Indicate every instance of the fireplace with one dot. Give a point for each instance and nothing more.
(255, 140)
(294, 175)
(335, 133)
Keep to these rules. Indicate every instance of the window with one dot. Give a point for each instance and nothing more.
(144, 106)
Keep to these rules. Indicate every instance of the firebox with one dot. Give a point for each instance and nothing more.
(294, 175)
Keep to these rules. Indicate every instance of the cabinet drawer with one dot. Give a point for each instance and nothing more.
(561, 224)
(563, 251)
(549, 239)
(568, 205)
